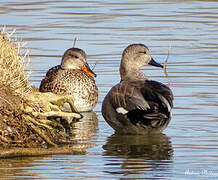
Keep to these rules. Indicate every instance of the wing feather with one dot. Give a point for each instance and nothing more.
(147, 102)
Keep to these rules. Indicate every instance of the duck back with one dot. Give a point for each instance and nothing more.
(139, 106)
(73, 83)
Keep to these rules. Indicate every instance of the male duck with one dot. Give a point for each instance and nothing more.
(137, 105)
(73, 78)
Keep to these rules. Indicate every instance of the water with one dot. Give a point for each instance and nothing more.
(188, 147)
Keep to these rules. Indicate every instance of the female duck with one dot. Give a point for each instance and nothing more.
(137, 105)
(73, 78)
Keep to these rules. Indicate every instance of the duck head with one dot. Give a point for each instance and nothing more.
(75, 58)
(133, 58)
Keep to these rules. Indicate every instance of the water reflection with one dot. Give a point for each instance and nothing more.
(84, 129)
(103, 29)
(82, 133)
(14, 167)
(137, 152)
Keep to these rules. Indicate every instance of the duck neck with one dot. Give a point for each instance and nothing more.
(132, 74)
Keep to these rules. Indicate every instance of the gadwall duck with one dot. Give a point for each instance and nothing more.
(137, 105)
(73, 78)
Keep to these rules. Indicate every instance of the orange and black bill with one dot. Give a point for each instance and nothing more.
(87, 69)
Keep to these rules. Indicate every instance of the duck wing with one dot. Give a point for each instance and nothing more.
(50, 76)
(144, 102)
(127, 96)
(158, 95)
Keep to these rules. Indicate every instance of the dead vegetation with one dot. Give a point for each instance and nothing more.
(166, 61)
(24, 111)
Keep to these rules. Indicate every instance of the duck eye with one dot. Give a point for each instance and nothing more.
(74, 56)
(143, 52)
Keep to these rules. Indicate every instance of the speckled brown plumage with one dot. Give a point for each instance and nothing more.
(74, 83)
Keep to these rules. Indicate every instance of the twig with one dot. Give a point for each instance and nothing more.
(74, 42)
(40, 124)
(38, 131)
(95, 65)
(6, 101)
(57, 113)
(9, 35)
(166, 61)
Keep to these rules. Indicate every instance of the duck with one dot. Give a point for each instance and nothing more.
(137, 105)
(74, 79)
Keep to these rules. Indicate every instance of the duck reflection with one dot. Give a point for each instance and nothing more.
(83, 130)
(151, 147)
(138, 153)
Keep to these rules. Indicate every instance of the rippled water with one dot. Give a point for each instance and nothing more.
(188, 147)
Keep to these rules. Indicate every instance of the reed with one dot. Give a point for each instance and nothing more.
(74, 42)
(166, 61)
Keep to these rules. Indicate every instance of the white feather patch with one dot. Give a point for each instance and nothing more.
(121, 110)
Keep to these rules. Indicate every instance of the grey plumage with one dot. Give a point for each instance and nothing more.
(137, 105)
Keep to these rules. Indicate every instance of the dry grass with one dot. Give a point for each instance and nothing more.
(74, 42)
(12, 65)
(24, 110)
(166, 61)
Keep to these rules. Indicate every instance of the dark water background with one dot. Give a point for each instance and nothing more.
(188, 149)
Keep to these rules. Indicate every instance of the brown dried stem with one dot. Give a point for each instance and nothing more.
(166, 61)
(74, 42)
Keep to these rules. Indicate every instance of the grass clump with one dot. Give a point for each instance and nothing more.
(25, 112)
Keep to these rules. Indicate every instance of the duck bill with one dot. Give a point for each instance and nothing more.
(154, 63)
(87, 69)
